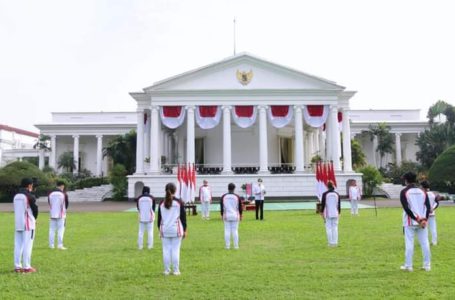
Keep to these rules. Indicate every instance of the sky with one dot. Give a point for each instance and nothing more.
(88, 55)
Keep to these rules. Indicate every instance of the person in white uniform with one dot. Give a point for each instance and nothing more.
(25, 215)
(354, 197)
(330, 212)
(416, 210)
(231, 212)
(58, 204)
(259, 196)
(146, 210)
(172, 226)
(434, 204)
(205, 197)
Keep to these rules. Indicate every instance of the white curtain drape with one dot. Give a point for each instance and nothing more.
(315, 115)
(172, 116)
(244, 116)
(208, 117)
(280, 115)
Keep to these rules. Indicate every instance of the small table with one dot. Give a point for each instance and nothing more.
(191, 209)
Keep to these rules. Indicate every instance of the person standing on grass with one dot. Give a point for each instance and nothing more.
(259, 196)
(416, 210)
(231, 212)
(58, 204)
(25, 215)
(146, 209)
(205, 196)
(330, 212)
(354, 196)
(172, 226)
(434, 203)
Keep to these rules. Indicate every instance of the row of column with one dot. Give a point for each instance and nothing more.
(398, 157)
(99, 154)
(331, 144)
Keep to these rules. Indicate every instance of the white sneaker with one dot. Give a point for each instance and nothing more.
(52, 247)
(62, 248)
(176, 273)
(426, 269)
(406, 268)
(166, 273)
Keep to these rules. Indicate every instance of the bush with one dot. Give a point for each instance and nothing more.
(12, 174)
(371, 178)
(442, 172)
(392, 173)
(118, 181)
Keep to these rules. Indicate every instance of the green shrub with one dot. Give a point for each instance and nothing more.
(118, 180)
(392, 173)
(371, 178)
(442, 172)
(12, 174)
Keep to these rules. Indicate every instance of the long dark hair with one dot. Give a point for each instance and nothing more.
(170, 191)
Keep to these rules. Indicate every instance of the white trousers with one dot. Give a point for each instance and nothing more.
(59, 226)
(23, 244)
(231, 228)
(331, 228)
(433, 229)
(422, 235)
(171, 253)
(145, 226)
(354, 206)
(205, 207)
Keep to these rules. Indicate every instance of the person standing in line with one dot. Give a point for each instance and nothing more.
(172, 226)
(205, 196)
(330, 212)
(434, 203)
(58, 204)
(354, 196)
(416, 210)
(231, 212)
(25, 215)
(259, 192)
(146, 209)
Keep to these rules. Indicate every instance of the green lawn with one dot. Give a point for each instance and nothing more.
(284, 257)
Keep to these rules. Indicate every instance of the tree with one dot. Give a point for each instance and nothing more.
(43, 143)
(442, 172)
(66, 161)
(371, 178)
(118, 180)
(358, 157)
(439, 136)
(122, 150)
(385, 139)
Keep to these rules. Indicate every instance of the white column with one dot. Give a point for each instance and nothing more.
(322, 145)
(347, 159)
(398, 148)
(99, 155)
(227, 148)
(375, 146)
(190, 134)
(263, 146)
(306, 147)
(335, 138)
(317, 149)
(41, 159)
(166, 146)
(311, 144)
(147, 138)
(76, 154)
(154, 141)
(299, 153)
(140, 142)
(53, 154)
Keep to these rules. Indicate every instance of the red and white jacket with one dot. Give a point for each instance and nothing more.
(146, 208)
(354, 193)
(331, 204)
(231, 207)
(24, 219)
(415, 203)
(58, 203)
(172, 220)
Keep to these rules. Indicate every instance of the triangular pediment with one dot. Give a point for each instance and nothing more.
(227, 75)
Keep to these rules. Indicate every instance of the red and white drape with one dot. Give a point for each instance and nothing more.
(340, 120)
(244, 116)
(172, 116)
(208, 117)
(315, 115)
(280, 115)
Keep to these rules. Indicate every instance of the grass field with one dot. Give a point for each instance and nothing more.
(284, 257)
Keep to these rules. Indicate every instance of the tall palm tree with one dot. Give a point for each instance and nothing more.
(66, 161)
(385, 139)
(122, 150)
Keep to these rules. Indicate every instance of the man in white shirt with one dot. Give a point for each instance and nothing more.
(231, 212)
(58, 204)
(331, 209)
(205, 196)
(354, 196)
(146, 210)
(259, 193)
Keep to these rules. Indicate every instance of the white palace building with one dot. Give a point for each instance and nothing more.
(238, 119)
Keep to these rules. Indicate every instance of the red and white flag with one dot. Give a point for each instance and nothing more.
(208, 117)
(244, 116)
(172, 116)
(280, 115)
(315, 115)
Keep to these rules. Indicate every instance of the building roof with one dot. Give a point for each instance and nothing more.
(18, 131)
